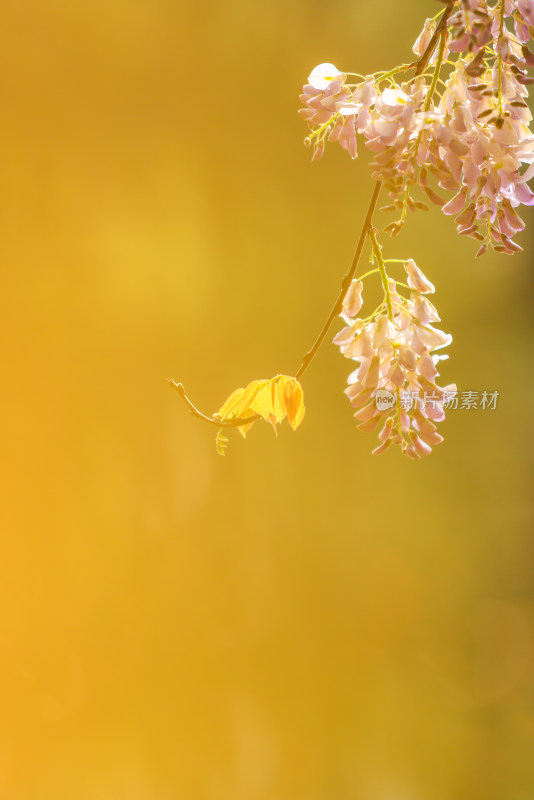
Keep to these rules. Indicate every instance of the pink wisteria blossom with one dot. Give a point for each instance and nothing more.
(393, 388)
(462, 140)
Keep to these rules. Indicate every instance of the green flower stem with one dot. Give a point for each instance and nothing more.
(439, 62)
(428, 101)
(499, 66)
(377, 250)
(323, 126)
(392, 72)
(371, 272)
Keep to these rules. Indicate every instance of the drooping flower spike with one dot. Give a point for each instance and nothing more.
(458, 133)
(393, 388)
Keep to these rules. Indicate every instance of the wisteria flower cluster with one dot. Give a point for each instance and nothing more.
(452, 128)
(394, 385)
(467, 135)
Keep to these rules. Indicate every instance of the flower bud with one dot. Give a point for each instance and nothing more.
(353, 299)
(416, 279)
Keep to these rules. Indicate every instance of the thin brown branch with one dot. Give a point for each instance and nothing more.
(229, 423)
(310, 355)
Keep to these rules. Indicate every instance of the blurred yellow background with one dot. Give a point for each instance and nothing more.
(299, 620)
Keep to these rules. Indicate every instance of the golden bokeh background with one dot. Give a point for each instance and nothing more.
(299, 620)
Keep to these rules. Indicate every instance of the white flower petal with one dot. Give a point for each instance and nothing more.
(321, 76)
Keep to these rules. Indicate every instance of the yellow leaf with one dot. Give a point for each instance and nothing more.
(249, 393)
(244, 429)
(294, 402)
(279, 406)
(299, 416)
(272, 419)
(230, 405)
(262, 402)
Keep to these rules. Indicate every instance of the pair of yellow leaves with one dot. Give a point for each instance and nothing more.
(273, 400)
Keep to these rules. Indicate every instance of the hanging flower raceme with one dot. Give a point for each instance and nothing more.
(404, 134)
(334, 109)
(467, 136)
(394, 387)
(491, 170)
